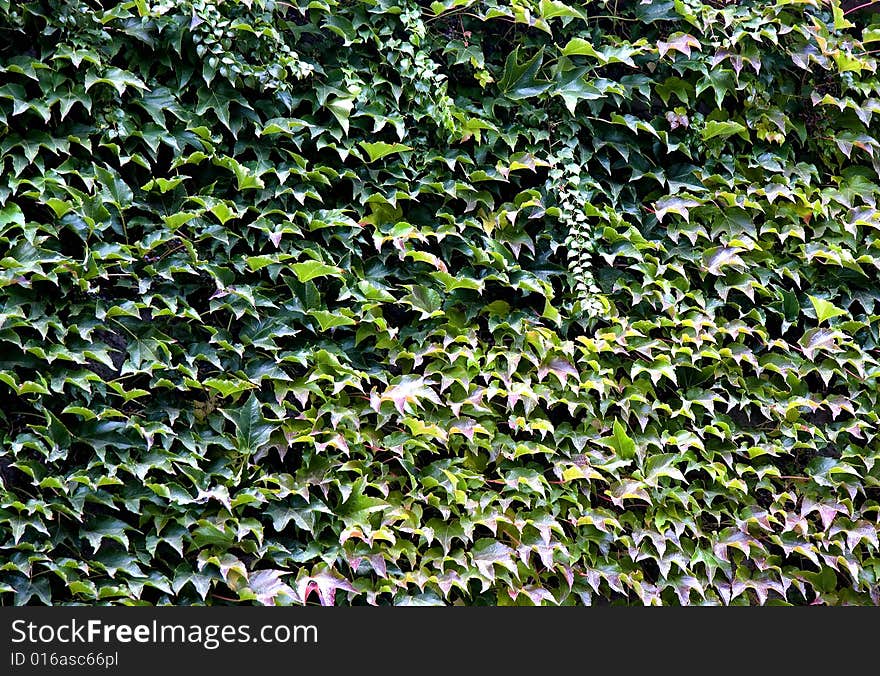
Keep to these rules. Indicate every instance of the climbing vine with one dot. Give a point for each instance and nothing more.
(456, 302)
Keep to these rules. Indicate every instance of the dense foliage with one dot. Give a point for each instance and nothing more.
(385, 301)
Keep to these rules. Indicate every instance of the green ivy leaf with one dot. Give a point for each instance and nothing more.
(341, 108)
(619, 440)
(11, 215)
(117, 78)
(252, 430)
(716, 129)
(579, 47)
(825, 310)
(309, 270)
(380, 149)
(519, 80)
(329, 320)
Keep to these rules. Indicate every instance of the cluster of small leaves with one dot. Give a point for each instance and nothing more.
(575, 207)
(217, 26)
(463, 302)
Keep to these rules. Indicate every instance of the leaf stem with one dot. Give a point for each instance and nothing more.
(858, 7)
(124, 226)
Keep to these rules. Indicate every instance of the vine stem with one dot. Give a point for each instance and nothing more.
(124, 226)
(612, 17)
(858, 7)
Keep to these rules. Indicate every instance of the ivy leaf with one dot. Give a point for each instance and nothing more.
(57, 432)
(380, 149)
(870, 35)
(679, 42)
(309, 270)
(575, 85)
(561, 368)
(11, 215)
(715, 129)
(283, 125)
(554, 8)
(228, 386)
(266, 586)
(629, 490)
(683, 90)
(117, 78)
(408, 390)
(790, 305)
(324, 583)
(175, 221)
(674, 205)
(840, 20)
(427, 301)
(341, 108)
(211, 99)
(579, 47)
(825, 310)
(519, 79)
(121, 195)
(655, 10)
(619, 440)
(488, 553)
(817, 339)
(243, 175)
(718, 257)
(330, 320)
(106, 528)
(223, 212)
(663, 465)
(252, 430)
(259, 262)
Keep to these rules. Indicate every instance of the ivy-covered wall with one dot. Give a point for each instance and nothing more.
(472, 302)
